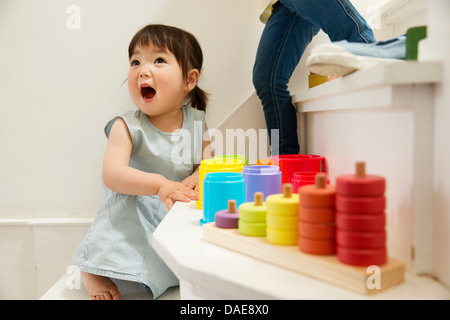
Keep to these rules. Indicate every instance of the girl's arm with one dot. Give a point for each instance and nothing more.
(120, 177)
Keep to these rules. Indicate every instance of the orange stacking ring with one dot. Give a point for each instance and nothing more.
(316, 227)
(362, 257)
(361, 184)
(360, 205)
(313, 196)
(361, 222)
(321, 231)
(315, 246)
(374, 239)
(317, 214)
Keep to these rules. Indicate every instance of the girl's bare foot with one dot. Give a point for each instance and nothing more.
(99, 287)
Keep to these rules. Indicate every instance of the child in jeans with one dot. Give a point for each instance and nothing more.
(290, 27)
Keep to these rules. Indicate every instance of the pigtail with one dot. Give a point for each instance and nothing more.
(198, 98)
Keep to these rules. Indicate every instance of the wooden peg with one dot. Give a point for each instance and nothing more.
(287, 190)
(231, 206)
(321, 181)
(258, 198)
(360, 169)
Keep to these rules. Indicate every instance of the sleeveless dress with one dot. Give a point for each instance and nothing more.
(119, 241)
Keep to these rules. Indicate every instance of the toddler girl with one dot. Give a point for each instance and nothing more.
(141, 180)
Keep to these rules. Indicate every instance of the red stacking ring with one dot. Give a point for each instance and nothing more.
(319, 247)
(368, 185)
(361, 205)
(362, 257)
(360, 222)
(365, 239)
(322, 231)
(317, 214)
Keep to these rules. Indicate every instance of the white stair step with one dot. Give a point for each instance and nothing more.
(366, 81)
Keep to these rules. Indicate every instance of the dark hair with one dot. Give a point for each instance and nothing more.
(185, 48)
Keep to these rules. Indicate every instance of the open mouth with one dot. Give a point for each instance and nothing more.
(147, 92)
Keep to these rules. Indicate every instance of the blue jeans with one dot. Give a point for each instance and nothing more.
(288, 31)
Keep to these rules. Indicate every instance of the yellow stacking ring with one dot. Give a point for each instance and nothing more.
(282, 222)
(282, 217)
(285, 204)
(284, 237)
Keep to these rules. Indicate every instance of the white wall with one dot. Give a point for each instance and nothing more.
(36, 253)
(437, 47)
(59, 87)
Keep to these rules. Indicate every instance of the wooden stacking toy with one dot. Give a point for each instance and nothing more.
(316, 226)
(252, 217)
(360, 218)
(308, 233)
(228, 218)
(282, 217)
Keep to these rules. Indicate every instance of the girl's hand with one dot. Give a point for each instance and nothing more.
(172, 191)
(192, 181)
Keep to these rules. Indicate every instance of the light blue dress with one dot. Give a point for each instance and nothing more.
(119, 242)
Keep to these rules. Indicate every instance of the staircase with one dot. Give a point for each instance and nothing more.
(388, 117)
(395, 119)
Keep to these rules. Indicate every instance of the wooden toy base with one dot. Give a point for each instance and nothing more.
(326, 268)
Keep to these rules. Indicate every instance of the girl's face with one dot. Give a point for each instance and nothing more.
(155, 81)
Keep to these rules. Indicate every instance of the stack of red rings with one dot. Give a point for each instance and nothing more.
(360, 218)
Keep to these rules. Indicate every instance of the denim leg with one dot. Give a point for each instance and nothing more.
(337, 18)
(282, 44)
